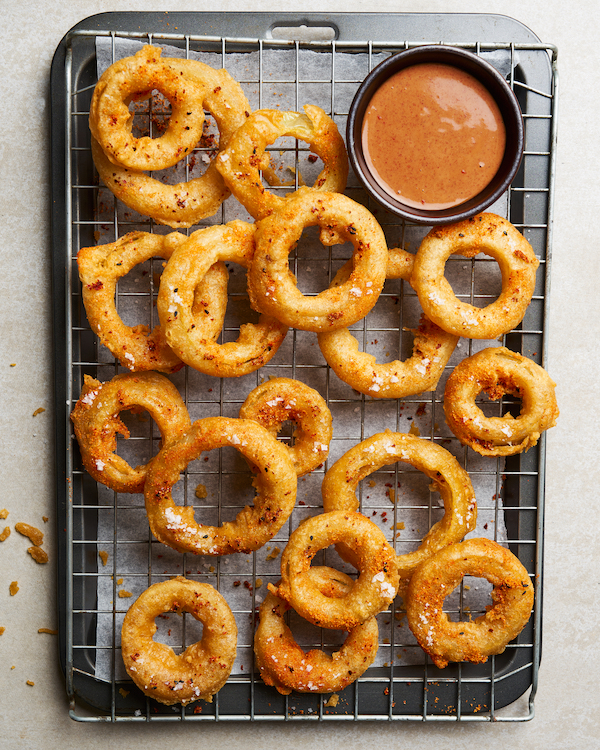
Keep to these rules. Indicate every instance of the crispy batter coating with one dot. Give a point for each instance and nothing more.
(274, 479)
(485, 233)
(284, 664)
(281, 399)
(182, 312)
(203, 668)
(447, 475)
(97, 423)
(437, 577)
(499, 371)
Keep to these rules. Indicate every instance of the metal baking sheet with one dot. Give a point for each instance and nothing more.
(285, 61)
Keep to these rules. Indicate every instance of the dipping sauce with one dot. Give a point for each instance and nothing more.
(433, 136)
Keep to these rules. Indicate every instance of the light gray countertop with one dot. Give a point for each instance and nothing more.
(568, 695)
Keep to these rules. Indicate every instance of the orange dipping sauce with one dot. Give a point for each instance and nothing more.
(433, 136)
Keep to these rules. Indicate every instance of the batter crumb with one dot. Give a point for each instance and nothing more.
(5, 534)
(103, 555)
(334, 699)
(2, 629)
(3, 513)
(48, 630)
(34, 535)
(13, 588)
(38, 411)
(201, 492)
(124, 594)
(31, 682)
(272, 555)
(38, 554)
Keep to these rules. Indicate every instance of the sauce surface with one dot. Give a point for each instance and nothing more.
(433, 136)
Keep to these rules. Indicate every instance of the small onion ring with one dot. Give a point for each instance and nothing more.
(188, 330)
(137, 349)
(274, 479)
(203, 668)
(240, 162)
(284, 664)
(96, 423)
(371, 593)
(186, 203)
(499, 371)
(278, 400)
(271, 284)
(448, 477)
(484, 233)
(432, 348)
(134, 78)
(473, 641)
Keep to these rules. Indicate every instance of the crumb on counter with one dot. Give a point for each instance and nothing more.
(201, 492)
(103, 555)
(48, 630)
(334, 699)
(13, 588)
(38, 554)
(45, 519)
(2, 629)
(30, 682)
(4, 513)
(124, 594)
(124, 693)
(34, 535)
(39, 410)
(5, 534)
(272, 555)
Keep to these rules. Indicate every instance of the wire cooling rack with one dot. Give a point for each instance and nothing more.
(107, 555)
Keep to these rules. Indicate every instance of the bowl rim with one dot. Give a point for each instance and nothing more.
(504, 96)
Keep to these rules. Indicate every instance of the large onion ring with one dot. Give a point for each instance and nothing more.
(137, 348)
(133, 78)
(499, 371)
(473, 641)
(484, 233)
(432, 348)
(284, 664)
(371, 593)
(278, 400)
(96, 423)
(271, 284)
(240, 162)
(274, 479)
(187, 328)
(448, 477)
(203, 668)
(186, 203)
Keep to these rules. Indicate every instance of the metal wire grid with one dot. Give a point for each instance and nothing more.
(387, 692)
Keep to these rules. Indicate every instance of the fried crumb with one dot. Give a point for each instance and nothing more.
(34, 535)
(272, 555)
(2, 629)
(45, 519)
(30, 682)
(124, 594)
(391, 493)
(200, 492)
(124, 692)
(414, 430)
(5, 534)
(3, 513)
(38, 411)
(259, 583)
(38, 554)
(13, 364)
(49, 631)
(119, 581)
(334, 699)
(13, 588)
(400, 525)
(103, 555)
(372, 483)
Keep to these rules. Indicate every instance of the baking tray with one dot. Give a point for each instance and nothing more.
(273, 56)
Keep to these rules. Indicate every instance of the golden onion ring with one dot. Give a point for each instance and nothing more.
(432, 348)
(473, 641)
(448, 478)
(203, 668)
(271, 284)
(96, 422)
(484, 233)
(498, 371)
(186, 203)
(134, 78)
(187, 328)
(371, 593)
(279, 400)
(137, 349)
(284, 664)
(274, 479)
(245, 155)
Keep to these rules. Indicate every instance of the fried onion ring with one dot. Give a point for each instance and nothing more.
(473, 641)
(448, 478)
(278, 400)
(271, 284)
(96, 422)
(370, 594)
(203, 668)
(134, 78)
(137, 349)
(240, 162)
(499, 371)
(187, 328)
(284, 664)
(274, 479)
(432, 348)
(484, 233)
(186, 203)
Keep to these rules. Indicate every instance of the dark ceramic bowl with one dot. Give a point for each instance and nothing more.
(494, 83)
